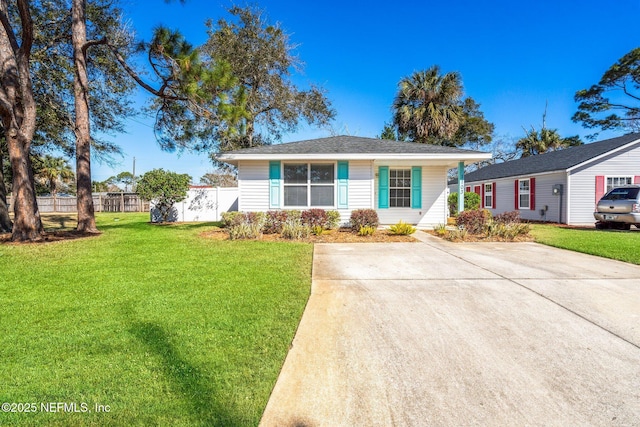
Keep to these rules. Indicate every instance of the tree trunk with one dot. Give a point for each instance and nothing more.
(86, 214)
(18, 111)
(27, 225)
(5, 221)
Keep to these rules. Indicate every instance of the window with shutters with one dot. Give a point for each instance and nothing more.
(309, 184)
(488, 196)
(524, 192)
(400, 188)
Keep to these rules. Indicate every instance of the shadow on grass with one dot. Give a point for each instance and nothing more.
(185, 379)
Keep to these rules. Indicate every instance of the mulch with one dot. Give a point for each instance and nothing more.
(49, 236)
(330, 236)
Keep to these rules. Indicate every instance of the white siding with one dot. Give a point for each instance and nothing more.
(253, 184)
(434, 201)
(505, 197)
(582, 181)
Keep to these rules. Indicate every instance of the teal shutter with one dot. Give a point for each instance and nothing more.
(274, 184)
(416, 187)
(343, 185)
(383, 187)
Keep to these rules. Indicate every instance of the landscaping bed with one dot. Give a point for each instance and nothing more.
(342, 235)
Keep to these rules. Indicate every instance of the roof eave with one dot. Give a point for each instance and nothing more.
(457, 157)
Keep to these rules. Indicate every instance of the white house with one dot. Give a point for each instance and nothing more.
(400, 180)
(561, 186)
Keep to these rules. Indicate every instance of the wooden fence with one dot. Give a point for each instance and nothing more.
(102, 202)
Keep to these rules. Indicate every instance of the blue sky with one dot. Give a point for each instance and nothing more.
(514, 56)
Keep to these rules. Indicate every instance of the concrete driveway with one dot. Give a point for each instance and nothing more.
(437, 334)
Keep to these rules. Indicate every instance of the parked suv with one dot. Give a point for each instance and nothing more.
(619, 208)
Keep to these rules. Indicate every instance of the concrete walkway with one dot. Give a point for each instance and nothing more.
(442, 334)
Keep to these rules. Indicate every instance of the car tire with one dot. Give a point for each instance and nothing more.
(601, 226)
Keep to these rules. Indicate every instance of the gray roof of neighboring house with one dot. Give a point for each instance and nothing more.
(349, 145)
(548, 162)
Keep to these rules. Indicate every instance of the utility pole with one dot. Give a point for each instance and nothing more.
(133, 180)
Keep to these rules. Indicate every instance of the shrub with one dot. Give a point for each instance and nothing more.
(245, 231)
(294, 214)
(333, 220)
(440, 229)
(254, 218)
(364, 218)
(317, 230)
(507, 217)
(273, 222)
(471, 202)
(402, 228)
(366, 230)
(314, 217)
(453, 235)
(294, 229)
(232, 218)
(472, 221)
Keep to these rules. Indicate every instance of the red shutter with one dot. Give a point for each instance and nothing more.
(515, 193)
(636, 179)
(493, 199)
(482, 197)
(532, 194)
(599, 187)
(467, 189)
(476, 189)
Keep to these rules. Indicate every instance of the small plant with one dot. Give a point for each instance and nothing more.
(317, 230)
(333, 220)
(440, 229)
(273, 222)
(455, 235)
(294, 215)
(507, 217)
(232, 218)
(254, 218)
(402, 229)
(364, 218)
(366, 230)
(294, 229)
(245, 231)
(314, 217)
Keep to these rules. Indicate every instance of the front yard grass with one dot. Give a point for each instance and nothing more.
(160, 325)
(622, 246)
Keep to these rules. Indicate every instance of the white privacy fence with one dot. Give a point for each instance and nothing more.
(202, 204)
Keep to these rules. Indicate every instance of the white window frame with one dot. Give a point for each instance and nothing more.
(309, 184)
(521, 193)
(488, 194)
(404, 171)
(608, 187)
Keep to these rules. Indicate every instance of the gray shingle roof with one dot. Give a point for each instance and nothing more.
(350, 145)
(553, 161)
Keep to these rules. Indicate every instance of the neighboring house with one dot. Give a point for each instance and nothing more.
(560, 186)
(400, 180)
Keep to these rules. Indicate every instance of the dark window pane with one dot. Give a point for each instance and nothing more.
(295, 173)
(322, 174)
(321, 195)
(295, 195)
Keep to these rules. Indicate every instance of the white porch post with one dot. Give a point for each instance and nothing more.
(460, 186)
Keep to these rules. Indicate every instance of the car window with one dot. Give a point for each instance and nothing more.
(622, 194)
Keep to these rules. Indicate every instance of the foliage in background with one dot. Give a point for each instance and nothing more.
(53, 173)
(614, 102)
(165, 188)
(219, 178)
(471, 202)
(429, 108)
(261, 58)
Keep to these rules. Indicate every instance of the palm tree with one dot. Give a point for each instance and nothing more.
(53, 172)
(427, 106)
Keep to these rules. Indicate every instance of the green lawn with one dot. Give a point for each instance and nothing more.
(161, 325)
(623, 246)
